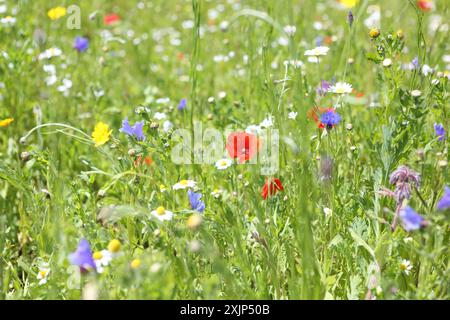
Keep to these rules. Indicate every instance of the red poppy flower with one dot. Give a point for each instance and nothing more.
(242, 145)
(425, 5)
(314, 114)
(269, 190)
(111, 19)
(139, 161)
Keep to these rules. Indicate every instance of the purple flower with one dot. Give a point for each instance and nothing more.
(330, 118)
(440, 131)
(134, 131)
(414, 65)
(196, 203)
(81, 44)
(182, 104)
(319, 41)
(403, 178)
(411, 220)
(444, 203)
(322, 89)
(350, 18)
(82, 257)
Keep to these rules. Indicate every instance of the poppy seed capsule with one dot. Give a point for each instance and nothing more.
(25, 156)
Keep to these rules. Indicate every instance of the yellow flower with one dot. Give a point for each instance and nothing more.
(56, 13)
(6, 122)
(97, 255)
(160, 210)
(374, 33)
(136, 263)
(101, 134)
(114, 246)
(194, 221)
(349, 3)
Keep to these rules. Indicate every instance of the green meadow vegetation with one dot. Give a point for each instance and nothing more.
(353, 95)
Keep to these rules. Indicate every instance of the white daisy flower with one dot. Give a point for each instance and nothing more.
(66, 85)
(341, 88)
(187, 24)
(43, 274)
(51, 80)
(159, 115)
(387, 62)
(313, 59)
(292, 115)
(222, 164)
(318, 25)
(283, 41)
(216, 193)
(8, 20)
(50, 53)
(163, 101)
(406, 266)
(290, 30)
(183, 184)
(102, 259)
(416, 93)
(162, 214)
(49, 68)
(155, 267)
(317, 51)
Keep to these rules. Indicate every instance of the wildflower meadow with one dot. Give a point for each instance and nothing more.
(200, 149)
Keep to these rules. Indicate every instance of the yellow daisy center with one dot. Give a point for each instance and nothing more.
(114, 245)
(136, 263)
(403, 266)
(223, 163)
(97, 255)
(160, 210)
(43, 273)
(184, 182)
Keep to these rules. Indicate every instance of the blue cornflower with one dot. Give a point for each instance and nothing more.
(134, 131)
(194, 200)
(81, 44)
(411, 219)
(182, 104)
(330, 118)
(82, 257)
(440, 131)
(444, 203)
